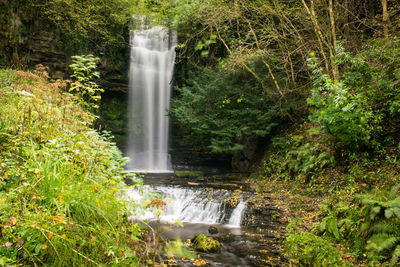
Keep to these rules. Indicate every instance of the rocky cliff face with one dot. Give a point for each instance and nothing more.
(26, 42)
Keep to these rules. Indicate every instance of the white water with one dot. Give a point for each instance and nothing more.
(188, 205)
(150, 75)
(237, 214)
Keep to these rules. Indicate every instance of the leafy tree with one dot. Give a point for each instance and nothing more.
(220, 109)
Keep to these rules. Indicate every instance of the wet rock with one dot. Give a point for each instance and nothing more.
(243, 159)
(213, 230)
(205, 243)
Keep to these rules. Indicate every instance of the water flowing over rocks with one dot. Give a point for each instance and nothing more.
(211, 206)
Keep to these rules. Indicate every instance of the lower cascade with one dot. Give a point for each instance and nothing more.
(189, 205)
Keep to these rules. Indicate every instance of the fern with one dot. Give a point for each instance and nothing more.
(372, 226)
(395, 255)
(381, 242)
(383, 227)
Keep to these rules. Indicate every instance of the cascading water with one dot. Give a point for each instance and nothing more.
(190, 205)
(150, 76)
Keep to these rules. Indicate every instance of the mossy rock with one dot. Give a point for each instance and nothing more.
(205, 243)
(188, 174)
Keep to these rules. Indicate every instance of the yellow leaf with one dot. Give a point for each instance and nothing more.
(44, 246)
(92, 238)
(13, 220)
(58, 219)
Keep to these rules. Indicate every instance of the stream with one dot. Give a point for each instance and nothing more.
(215, 212)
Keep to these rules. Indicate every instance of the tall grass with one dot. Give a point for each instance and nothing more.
(59, 181)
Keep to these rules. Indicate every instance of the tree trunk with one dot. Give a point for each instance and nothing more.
(385, 19)
(335, 69)
(310, 10)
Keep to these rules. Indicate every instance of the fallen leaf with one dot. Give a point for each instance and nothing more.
(59, 219)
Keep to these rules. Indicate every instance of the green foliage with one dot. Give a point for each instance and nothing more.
(84, 68)
(343, 114)
(219, 108)
(205, 243)
(301, 155)
(307, 249)
(85, 24)
(368, 223)
(360, 108)
(76, 27)
(188, 174)
(382, 225)
(60, 181)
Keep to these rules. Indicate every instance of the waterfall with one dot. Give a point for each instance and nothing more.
(152, 58)
(237, 214)
(189, 205)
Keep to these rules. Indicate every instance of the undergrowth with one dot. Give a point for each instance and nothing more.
(346, 155)
(59, 181)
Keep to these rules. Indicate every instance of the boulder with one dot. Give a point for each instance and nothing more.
(205, 243)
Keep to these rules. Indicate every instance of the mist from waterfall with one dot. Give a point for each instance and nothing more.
(152, 55)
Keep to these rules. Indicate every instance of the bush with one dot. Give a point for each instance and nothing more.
(59, 180)
(343, 114)
(300, 155)
(368, 223)
(218, 109)
(307, 249)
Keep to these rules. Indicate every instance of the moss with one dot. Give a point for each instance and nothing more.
(205, 243)
(188, 174)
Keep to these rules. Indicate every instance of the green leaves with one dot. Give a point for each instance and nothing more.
(220, 108)
(344, 114)
(84, 71)
(64, 177)
(306, 249)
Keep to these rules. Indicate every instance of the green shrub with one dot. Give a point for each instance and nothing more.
(300, 155)
(381, 226)
(343, 114)
(368, 223)
(307, 249)
(219, 109)
(84, 68)
(60, 181)
(361, 109)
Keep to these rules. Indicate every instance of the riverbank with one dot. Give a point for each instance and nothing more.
(60, 180)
